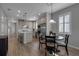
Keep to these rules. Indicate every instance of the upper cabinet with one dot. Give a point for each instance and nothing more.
(42, 19)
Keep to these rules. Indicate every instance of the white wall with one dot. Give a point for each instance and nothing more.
(74, 10)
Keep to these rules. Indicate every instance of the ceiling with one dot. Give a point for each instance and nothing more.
(31, 10)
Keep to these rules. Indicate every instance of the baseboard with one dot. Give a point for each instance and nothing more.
(73, 47)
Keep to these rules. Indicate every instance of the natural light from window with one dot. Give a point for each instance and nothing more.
(64, 23)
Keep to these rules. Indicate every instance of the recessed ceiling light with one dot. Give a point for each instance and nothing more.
(19, 11)
(2, 17)
(39, 14)
(9, 9)
(17, 14)
(34, 17)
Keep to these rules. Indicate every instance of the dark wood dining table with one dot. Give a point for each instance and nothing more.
(58, 38)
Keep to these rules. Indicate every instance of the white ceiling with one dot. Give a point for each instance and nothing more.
(32, 9)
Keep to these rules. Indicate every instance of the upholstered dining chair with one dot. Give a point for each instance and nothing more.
(41, 41)
(50, 44)
(63, 43)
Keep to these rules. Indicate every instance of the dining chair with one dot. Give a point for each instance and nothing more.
(64, 43)
(50, 44)
(41, 41)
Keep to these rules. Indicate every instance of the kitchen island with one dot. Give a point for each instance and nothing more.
(25, 36)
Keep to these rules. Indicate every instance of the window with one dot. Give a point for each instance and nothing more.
(64, 23)
(3, 26)
(61, 24)
(67, 23)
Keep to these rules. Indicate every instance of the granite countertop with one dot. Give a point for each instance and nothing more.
(3, 36)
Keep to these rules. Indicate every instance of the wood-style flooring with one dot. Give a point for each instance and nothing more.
(32, 49)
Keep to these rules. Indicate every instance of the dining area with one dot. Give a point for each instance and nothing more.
(52, 42)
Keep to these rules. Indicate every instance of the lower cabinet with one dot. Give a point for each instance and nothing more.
(3, 45)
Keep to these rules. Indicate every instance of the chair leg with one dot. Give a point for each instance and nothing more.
(54, 50)
(54, 54)
(67, 50)
(39, 42)
(57, 47)
(45, 53)
(39, 45)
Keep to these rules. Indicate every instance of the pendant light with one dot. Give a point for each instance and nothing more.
(51, 20)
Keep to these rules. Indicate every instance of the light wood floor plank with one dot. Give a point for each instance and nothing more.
(31, 49)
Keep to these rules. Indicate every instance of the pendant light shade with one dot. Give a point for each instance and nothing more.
(51, 20)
